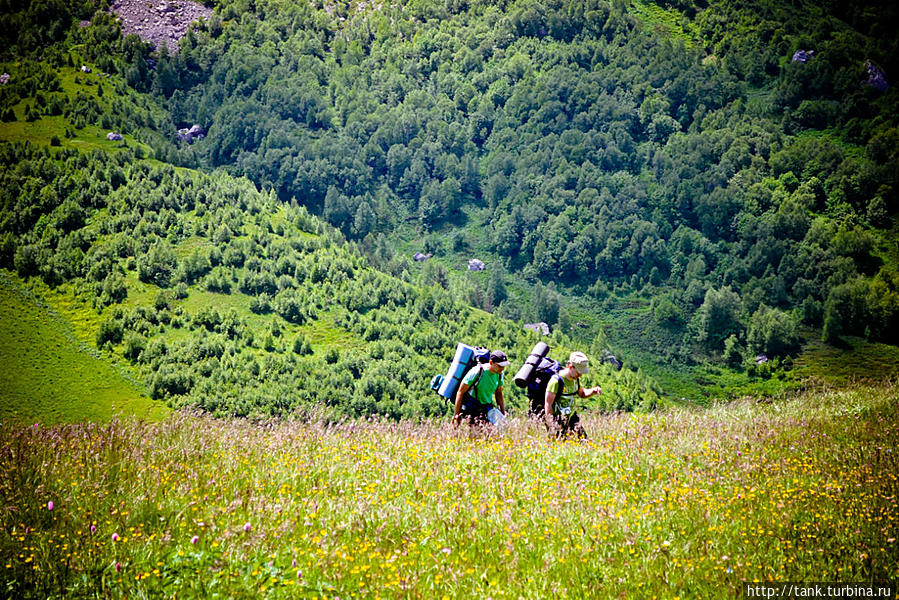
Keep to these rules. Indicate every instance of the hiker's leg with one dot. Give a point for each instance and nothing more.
(535, 410)
(479, 415)
(576, 427)
(561, 428)
(468, 411)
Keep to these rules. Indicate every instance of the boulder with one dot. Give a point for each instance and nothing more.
(476, 265)
(4, 79)
(541, 328)
(609, 359)
(877, 79)
(112, 136)
(190, 135)
(419, 257)
(803, 56)
(85, 69)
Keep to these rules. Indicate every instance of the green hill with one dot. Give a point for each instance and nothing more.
(222, 298)
(667, 182)
(50, 376)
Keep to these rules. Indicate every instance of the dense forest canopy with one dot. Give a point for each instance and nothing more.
(610, 156)
(728, 169)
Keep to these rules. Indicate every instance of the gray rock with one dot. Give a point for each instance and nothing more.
(190, 135)
(803, 56)
(163, 23)
(877, 79)
(113, 136)
(609, 359)
(541, 328)
(476, 265)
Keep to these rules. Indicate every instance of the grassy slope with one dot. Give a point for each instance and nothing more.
(49, 375)
(859, 360)
(678, 503)
(91, 137)
(669, 21)
(66, 380)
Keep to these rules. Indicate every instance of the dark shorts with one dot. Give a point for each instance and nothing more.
(536, 399)
(569, 425)
(474, 411)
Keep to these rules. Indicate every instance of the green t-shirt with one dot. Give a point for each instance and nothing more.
(487, 384)
(565, 390)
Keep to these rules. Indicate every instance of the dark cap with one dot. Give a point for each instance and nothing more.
(499, 357)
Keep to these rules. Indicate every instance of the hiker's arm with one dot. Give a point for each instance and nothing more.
(499, 400)
(587, 392)
(463, 388)
(548, 408)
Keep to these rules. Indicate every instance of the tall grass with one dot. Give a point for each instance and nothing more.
(673, 504)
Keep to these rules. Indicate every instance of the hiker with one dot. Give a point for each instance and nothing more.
(559, 414)
(485, 381)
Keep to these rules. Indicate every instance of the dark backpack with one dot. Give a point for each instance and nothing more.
(537, 388)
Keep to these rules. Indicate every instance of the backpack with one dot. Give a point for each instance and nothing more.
(536, 389)
(437, 381)
(465, 358)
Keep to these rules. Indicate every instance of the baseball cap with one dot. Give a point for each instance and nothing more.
(499, 357)
(579, 361)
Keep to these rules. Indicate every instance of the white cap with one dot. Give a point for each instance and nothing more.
(579, 361)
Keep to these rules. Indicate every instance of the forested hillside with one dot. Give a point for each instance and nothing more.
(700, 182)
(225, 299)
(703, 165)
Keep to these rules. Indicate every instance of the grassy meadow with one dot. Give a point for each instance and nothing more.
(51, 371)
(678, 503)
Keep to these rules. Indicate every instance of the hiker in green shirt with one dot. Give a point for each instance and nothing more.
(485, 381)
(561, 419)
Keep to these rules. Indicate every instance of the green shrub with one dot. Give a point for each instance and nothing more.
(773, 332)
(134, 344)
(110, 332)
(301, 346)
